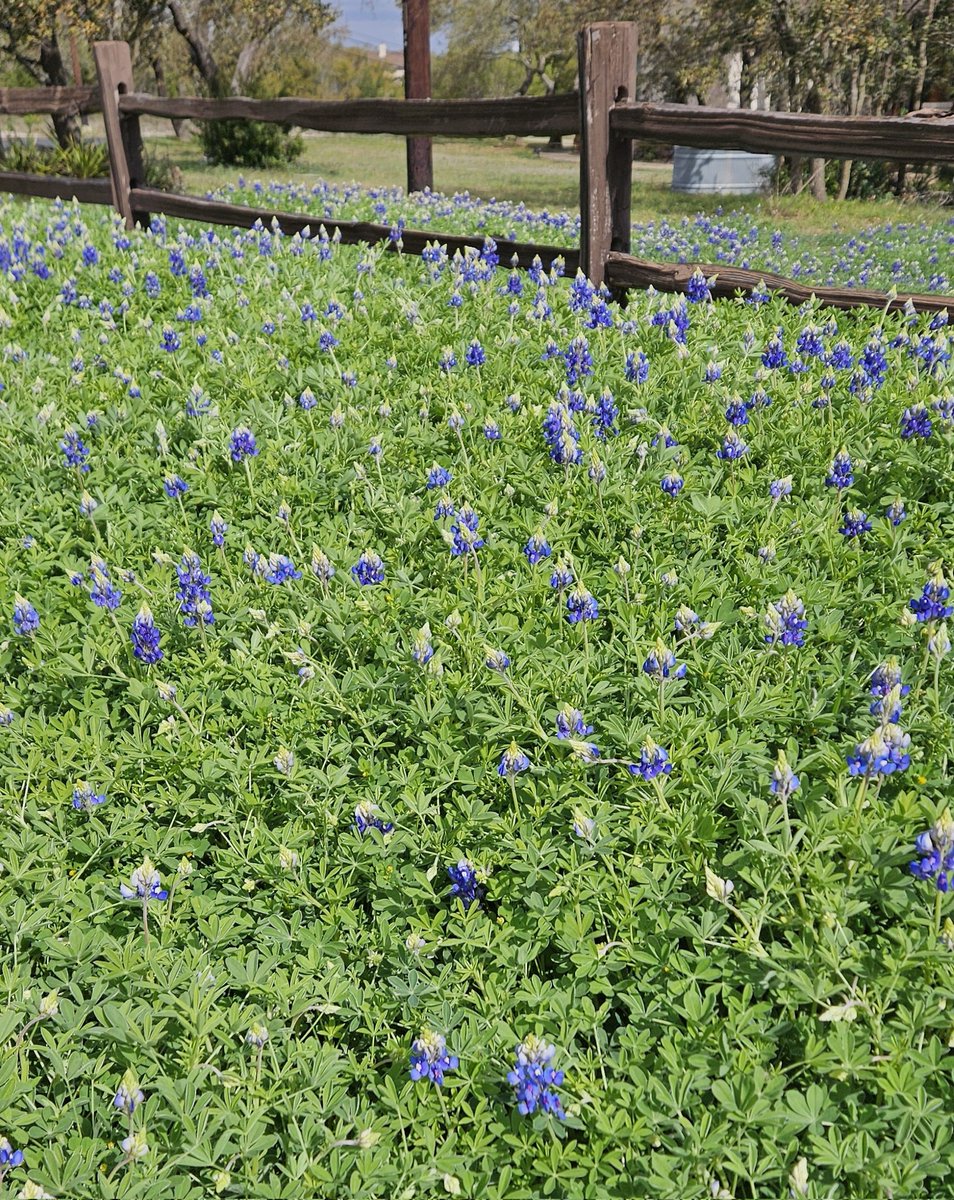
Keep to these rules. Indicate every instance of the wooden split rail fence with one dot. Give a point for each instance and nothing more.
(603, 116)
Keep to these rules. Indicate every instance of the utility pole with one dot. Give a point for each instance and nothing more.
(417, 86)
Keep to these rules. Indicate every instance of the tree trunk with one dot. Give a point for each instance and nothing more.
(161, 90)
(816, 179)
(65, 126)
(200, 55)
(845, 181)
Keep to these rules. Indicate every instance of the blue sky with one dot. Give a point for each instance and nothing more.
(370, 22)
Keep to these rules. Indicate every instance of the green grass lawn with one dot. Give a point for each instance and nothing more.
(511, 170)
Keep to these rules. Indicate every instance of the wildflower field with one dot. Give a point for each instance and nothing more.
(463, 737)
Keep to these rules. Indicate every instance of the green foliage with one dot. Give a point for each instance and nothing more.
(82, 160)
(249, 143)
(793, 1040)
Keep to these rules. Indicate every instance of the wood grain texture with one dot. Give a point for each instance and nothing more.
(218, 212)
(123, 136)
(513, 115)
(52, 187)
(65, 101)
(417, 86)
(607, 56)
(626, 271)
(901, 139)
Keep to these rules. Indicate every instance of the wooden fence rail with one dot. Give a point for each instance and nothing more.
(519, 116)
(603, 115)
(54, 101)
(896, 139)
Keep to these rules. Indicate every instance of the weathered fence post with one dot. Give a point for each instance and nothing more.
(123, 137)
(417, 86)
(607, 53)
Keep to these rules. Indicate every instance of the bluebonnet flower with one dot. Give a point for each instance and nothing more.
(145, 637)
(85, 799)
(465, 883)
(464, 536)
(512, 762)
(174, 486)
(444, 507)
(321, 565)
(103, 593)
(242, 444)
(448, 360)
(785, 621)
(128, 1095)
(636, 369)
(774, 355)
(932, 604)
(422, 651)
(784, 780)
(26, 620)
(697, 289)
(561, 435)
(895, 511)
(171, 341)
(597, 468)
(7, 716)
(732, 447)
(75, 452)
(581, 606)
(218, 528)
(280, 569)
(583, 826)
(577, 360)
(9, 1158)
(537, 548)
(840, 473)
(455, 422)
(672, 484)
(429, 1058)
(307, 400)
(570, 723)
(284, 761)
(374, 447)
(198, 403)
(885, 680)
(144, 884)
(936, 850)
(854, 523)
(87, 505)
(368, 569)
(336, 419)
(916, 422)
(195, 601)
(562, 575)
(883, 753)
(534, 1080)
(713, 372)
(368, 816)
(438, 477)
(809, 342)
(653, 761)
(492, 431)
(474, 355)
(661, 663)
(604, 419)
(496, 660)
(840, 357)
(737, 412)
(779, 488)
(873, 365)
